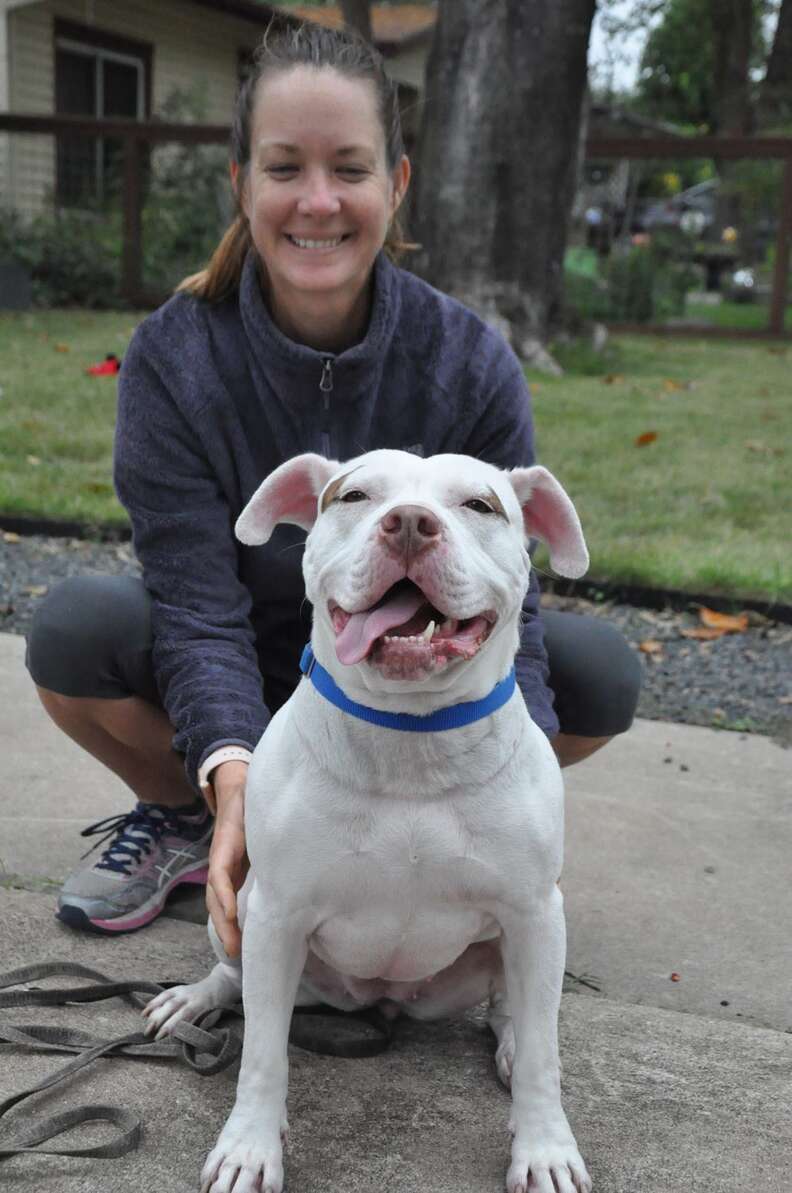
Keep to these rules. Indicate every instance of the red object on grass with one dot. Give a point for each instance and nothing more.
(109, 366)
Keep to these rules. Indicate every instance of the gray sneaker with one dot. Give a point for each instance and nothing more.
(153, 849)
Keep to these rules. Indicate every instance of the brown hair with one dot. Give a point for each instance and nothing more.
(284, 46)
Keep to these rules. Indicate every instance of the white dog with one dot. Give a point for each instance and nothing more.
(404, 815)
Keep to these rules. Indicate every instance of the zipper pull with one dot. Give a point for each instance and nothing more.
(326, 383)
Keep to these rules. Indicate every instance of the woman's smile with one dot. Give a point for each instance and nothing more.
(317, 244)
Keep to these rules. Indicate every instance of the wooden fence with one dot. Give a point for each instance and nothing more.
(136, 135)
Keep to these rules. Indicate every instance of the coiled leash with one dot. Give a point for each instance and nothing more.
(217, 1046)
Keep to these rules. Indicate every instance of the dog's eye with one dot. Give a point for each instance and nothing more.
(479, 505)
(353, 495)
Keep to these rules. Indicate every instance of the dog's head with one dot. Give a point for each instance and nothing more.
(415, 567)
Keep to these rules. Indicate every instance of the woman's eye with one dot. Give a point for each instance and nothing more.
(354, 495)
(352, 171)
(281, 171)
(480, 506)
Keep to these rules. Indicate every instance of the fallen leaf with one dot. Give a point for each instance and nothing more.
(777, 351)
(703, 633)
(671, 386)
(34, 461)
(36, 589)
(647, 437)
(98, 486)
(612, 378)
(651, 646)
(62, 348)
(723, 621)
(785, 699)
(763, 449)
(676, 977)
(10, 536)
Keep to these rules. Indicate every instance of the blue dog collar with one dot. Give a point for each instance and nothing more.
(453, 717)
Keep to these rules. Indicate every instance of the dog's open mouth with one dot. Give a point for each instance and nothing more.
(404, 633)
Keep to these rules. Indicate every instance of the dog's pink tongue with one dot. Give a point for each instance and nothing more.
(354, 641)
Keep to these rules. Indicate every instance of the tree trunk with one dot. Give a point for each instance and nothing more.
(498, 156)
(775, 101)
(732, 29)
(357, 16)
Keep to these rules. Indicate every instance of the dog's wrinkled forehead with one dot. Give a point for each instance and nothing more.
(446, 480)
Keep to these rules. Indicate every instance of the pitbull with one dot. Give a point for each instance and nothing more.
(404, 816)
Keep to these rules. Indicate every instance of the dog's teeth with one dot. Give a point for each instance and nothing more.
(428, 632)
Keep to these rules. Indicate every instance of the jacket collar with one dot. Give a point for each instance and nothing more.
(278, 356)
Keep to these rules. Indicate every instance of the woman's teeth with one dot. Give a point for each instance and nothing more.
(316, 244)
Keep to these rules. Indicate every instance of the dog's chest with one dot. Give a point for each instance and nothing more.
(399, 891)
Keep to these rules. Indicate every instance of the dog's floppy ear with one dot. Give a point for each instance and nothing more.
(289, 494)
(549, 515)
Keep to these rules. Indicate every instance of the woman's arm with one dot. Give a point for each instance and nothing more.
(504, 436)
(204, 653)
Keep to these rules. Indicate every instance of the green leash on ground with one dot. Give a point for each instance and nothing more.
(218, 1047)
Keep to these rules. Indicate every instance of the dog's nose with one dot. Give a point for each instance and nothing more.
(410, 529)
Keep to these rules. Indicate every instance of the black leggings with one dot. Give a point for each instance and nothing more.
(92, 637)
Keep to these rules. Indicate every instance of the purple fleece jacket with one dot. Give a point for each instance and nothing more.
(212, 398)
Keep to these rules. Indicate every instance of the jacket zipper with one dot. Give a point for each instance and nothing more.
(326, 388)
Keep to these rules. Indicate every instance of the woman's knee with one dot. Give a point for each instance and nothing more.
(594, 673)
(91, 637)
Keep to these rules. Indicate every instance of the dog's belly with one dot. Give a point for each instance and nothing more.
(376, 943)
(470, 980)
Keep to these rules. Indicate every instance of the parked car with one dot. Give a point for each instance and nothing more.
(698, 200)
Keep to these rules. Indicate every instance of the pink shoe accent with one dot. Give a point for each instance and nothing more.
(197, 876)
(128, 925)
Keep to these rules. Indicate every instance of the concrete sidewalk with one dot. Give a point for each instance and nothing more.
(679, 843)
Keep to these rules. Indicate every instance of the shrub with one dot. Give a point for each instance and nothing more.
(72, 257)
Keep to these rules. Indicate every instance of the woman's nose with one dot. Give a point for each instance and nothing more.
(318, 197)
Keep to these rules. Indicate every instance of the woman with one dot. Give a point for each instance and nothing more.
(301, 335)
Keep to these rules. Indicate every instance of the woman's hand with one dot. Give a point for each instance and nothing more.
(228, 860)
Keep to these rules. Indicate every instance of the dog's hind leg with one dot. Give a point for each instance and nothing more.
(500, 1023)
(221, 988)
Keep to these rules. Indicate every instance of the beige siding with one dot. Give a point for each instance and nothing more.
(193, 47)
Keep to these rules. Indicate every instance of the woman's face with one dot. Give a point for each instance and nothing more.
(318, 195)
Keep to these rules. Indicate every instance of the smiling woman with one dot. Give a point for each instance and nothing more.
(301, 336)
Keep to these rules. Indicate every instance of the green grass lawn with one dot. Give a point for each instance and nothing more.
(56, 423)
(744, 316)
(703, 507)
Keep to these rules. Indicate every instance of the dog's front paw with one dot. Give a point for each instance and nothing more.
(246, 1158)
(547, 1161)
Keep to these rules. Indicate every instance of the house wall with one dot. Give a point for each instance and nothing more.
(193, 48)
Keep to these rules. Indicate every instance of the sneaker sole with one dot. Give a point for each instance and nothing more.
(75, 917)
